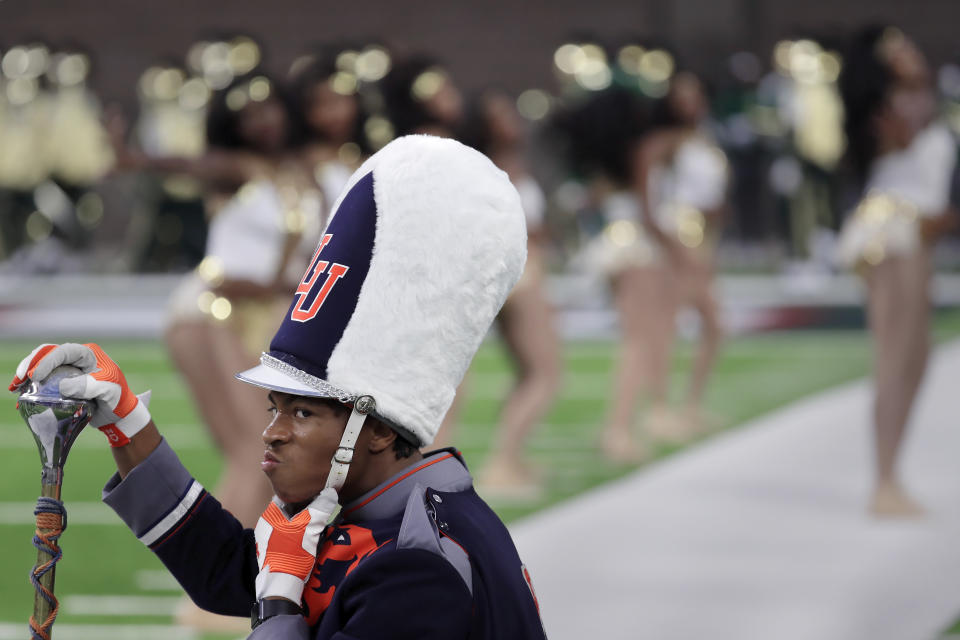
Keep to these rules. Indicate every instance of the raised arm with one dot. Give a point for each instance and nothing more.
(202, 544)
(215, 166)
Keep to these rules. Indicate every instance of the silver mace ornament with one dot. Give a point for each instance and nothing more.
(55, 423)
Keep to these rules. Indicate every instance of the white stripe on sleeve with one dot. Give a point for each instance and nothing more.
(159, 529)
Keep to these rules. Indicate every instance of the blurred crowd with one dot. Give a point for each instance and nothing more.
(81, 190)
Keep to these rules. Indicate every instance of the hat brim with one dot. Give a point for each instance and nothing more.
(268, 378)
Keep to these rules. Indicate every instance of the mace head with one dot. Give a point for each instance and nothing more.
(54, 421)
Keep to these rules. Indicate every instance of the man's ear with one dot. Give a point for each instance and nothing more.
(382, 437)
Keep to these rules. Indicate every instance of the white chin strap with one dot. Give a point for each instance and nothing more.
(340, 463)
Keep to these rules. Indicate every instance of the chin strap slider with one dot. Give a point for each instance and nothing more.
(343, 456)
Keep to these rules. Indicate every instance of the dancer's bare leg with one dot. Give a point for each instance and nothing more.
(700, 282)
(662, 307)
(448, 428)
(236, 418)
(662, 422)
(918, 277)
(527, 328)
(898, 309)
(633, 292)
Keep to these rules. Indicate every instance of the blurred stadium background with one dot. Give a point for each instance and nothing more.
(86, 254)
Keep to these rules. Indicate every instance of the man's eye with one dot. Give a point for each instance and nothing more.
(301, 413)
(272, 411)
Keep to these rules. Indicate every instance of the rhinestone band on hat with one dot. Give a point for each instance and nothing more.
(365, 404)
(318, 384)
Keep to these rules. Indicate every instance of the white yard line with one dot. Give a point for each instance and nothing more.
(762, 533)
(182, 436)
(156, 580)
(77, 513)
(120, 605)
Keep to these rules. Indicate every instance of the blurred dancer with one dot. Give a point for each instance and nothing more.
(906, 159)
(266, 218)
(605, 135)
(333, 117)
(681, 176)
(526, 324)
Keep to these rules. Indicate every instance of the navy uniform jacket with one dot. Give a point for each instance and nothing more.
(421, 556)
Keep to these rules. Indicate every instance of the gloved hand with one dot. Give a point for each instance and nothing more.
(287, 548)
(118, 412)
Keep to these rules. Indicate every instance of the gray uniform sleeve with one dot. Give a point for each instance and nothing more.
(154, 496)
(285, 627)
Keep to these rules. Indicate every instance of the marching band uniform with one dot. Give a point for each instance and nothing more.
(420, 555)
(422, 546)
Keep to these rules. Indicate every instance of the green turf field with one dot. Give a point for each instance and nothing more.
(101, 557)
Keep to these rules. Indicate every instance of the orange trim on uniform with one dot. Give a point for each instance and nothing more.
(403, 477)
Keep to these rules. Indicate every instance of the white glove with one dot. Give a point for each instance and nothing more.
(118, 412)
(287, 548)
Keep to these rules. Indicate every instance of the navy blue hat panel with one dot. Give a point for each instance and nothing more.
(327, 295)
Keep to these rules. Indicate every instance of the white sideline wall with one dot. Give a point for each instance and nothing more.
(134, 306)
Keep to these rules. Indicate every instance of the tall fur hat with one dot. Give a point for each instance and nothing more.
(424, 244)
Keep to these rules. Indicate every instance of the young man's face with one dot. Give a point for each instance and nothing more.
(302, 436)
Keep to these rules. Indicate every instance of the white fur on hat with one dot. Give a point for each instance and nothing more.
(450, 244)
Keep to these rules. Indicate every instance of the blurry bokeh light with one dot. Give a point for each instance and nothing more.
(372, 64)
(656, 66)
(38, 227)
(167, 83)
(68, 69)
(221, 308)
(379, 131)
(194, 94)
(347, 60)
(243, 56)
(427, 84)
(629, 58)
(15, 62)
(568, 58)
(90, 210)
(533, 104)
(344, 83)
(806, 62)
(215, 65)
(259, 89)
